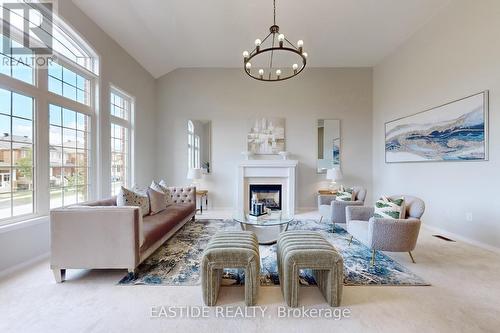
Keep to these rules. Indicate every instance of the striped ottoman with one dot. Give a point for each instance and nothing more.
(237, 249)
(309, 250)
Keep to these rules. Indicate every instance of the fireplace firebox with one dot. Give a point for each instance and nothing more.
(267, 194)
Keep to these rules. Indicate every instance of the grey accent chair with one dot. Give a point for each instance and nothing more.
(335, 211)
(393, 235)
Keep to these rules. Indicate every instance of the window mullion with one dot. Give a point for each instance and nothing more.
(42, 194)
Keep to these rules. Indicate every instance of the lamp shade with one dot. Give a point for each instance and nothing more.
(334, 174)
(194, 174)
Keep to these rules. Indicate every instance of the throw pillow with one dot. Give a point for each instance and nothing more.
(157, 200)
(345, 194)
(162, 187)
(127, 197)
(387, 208)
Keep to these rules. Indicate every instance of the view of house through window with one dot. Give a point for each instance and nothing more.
(69, 156)
(16, 154)
(120, 114)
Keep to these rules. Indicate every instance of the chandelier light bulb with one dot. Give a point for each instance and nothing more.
(281, 38)
(257, 44)
(261, 73)
(278, 73)
(245, 54)
(300, 45)
(304, 54)
(248, 66)
(295, 67)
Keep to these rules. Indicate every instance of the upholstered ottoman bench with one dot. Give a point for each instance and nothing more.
(238, 249)
(309, 250)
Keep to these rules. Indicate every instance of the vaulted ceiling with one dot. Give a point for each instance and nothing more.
(166, 34)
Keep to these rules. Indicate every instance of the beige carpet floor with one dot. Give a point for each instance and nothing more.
(464, 297)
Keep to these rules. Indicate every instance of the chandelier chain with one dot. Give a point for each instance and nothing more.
(274, 16)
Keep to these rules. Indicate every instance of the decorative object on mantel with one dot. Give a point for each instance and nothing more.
(195, 175)
(284, 155)
(247, 155)
(456, 131)
(284, 49)
(333, 175)
(266, 136)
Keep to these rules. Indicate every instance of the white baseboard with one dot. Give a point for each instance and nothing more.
(18, 267)
(462, 238)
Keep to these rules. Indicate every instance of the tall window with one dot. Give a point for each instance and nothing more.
(70, 153)
(16, 154)
(54, 98)
(121, 106)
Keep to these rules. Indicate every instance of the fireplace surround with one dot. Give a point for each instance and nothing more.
(267, 172)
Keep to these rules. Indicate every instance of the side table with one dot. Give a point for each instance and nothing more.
(203, 194)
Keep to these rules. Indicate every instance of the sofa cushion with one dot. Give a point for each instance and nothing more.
(161, 188)
(128, 197)
(156, 226)
(157, 201)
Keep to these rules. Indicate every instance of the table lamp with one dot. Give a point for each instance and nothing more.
(333, 175)
(194, 175)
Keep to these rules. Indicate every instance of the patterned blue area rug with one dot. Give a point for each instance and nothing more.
(177, 262)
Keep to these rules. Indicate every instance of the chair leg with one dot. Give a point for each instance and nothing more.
(350, 241)
(411, 256)
(373, 258)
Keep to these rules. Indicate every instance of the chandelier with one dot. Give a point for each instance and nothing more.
(264, 55)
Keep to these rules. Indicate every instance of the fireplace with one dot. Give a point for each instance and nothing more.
(268, 194)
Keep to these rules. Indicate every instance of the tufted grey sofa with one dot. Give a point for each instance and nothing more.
(393, 235)
(99, 234)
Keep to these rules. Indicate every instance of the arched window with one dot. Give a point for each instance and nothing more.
(51, 94)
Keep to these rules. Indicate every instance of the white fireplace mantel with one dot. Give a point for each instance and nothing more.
(268, 172)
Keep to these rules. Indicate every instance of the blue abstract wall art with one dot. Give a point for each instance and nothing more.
(457, 131)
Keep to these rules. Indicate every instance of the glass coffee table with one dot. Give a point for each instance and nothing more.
(267, 227)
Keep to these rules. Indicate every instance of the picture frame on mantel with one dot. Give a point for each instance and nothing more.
(452, 132)
(266, 136)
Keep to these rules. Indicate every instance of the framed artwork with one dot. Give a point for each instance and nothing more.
(266, 136)
(456, 131)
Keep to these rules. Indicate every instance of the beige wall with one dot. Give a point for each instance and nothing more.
(230, 99)
(455, 55)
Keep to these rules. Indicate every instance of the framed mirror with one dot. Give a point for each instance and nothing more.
(199, 133)
(328, 144)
